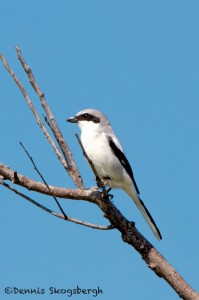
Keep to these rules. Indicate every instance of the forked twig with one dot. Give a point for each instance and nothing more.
(39, 122)
(72, 167)
(44, 181)
(94, 226)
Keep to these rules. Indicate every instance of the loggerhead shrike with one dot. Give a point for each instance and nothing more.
(107, 155)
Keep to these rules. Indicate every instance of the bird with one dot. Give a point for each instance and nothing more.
(108, 157)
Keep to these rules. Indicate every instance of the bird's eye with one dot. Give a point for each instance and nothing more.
(85, 116)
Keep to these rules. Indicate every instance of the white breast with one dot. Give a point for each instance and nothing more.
(106, 163)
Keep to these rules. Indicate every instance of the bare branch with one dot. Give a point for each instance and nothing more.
(73, 170)
(44, 181)
(64, 217)
(39, 122)
(32, 185)
(130, 234)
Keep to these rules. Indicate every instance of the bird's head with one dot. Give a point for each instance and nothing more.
(89, 119)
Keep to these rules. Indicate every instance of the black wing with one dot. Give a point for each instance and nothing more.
(123, 160)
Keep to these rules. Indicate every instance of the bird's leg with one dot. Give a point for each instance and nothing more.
(109, 196)
(101, 183)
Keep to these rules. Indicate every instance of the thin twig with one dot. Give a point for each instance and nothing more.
(72, 170)
(86, 156)
(44, 181)
(39, 122)
(94, 226)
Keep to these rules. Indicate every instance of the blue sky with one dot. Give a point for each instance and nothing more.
(138, 62)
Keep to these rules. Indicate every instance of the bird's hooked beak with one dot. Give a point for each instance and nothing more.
(72, 120)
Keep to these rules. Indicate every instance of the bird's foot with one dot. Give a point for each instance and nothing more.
(100, 182)
(106, 195)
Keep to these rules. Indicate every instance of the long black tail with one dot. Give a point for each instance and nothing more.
(146, 214)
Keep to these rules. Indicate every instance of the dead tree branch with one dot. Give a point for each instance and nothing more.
(64, 217)
(72, 167)
(130, 234)
(42, 178)
(7, 174)
(73, 174)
